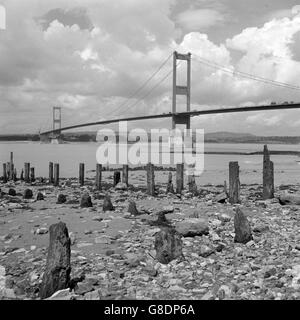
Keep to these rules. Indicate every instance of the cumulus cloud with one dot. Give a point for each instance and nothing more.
(91, 57)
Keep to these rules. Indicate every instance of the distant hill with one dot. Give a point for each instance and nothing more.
(211, 137)
(234, 137)
(228, 135)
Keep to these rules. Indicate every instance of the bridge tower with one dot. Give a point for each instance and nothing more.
(57, 119)
(181, 90)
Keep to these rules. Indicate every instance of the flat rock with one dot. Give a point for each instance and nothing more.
(168, 209)
(42, 231)
(205, 251)
(292, 199)
(221, 198)
(83, 287)
(121, 186)
(102, 240)
(192, 227)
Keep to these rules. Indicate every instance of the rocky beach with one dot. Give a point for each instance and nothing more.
(114, 252)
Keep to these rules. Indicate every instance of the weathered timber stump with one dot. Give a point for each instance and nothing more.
(107, 205)
(58, 266)
(168, 245)
(242, 227)
(86, 201)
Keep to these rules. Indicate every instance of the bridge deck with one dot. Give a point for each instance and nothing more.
(192, 114)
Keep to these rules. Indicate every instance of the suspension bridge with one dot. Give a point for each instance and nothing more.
(182, 118)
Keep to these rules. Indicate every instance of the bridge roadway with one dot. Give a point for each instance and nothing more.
(183, 114)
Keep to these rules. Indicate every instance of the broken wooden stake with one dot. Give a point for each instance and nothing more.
(4, 173)
(268, 175)
(11, 166)
(98, 176)
(170, 188)
(179, 177)
(81, 174)
(58, 266)
(234, 183)
(27, 171)
(56, 174)
(117, 177)
(150, 179)
(32, 175)
(192, 184)
(51, 177)
(125, 174)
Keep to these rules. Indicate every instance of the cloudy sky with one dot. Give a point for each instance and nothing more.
(90, 56)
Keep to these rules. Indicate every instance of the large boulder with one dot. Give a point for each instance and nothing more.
(168, 245)
(288, 198)
(28, 194)
(58, 266)
(40, 197)
(12, 192)
(192, 227)
(61, 199)
(242, 227)
(86, 201)
(221, 197)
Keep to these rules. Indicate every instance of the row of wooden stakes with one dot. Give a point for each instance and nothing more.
(28, 175)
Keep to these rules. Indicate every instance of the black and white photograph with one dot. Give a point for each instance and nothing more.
(149, 152)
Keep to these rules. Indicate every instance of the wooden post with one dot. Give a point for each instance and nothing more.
(11, 166)
(125, 174)
(8, 170)
(225, 188)
(11, 171)
(4, 173)
(51, 178)
(27, 170)
(179, 177)
(81, 174)
(117, 177)
(192, 184)
(268, 175)
(170, 187)
(150, 179)
(56, 174)
(32, 175)
(98, 176)
(234, 183)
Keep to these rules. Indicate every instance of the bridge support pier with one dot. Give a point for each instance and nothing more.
(181, 90)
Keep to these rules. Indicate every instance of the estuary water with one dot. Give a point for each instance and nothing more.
(69, 155)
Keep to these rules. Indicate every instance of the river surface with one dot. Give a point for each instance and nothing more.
(69, 155)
